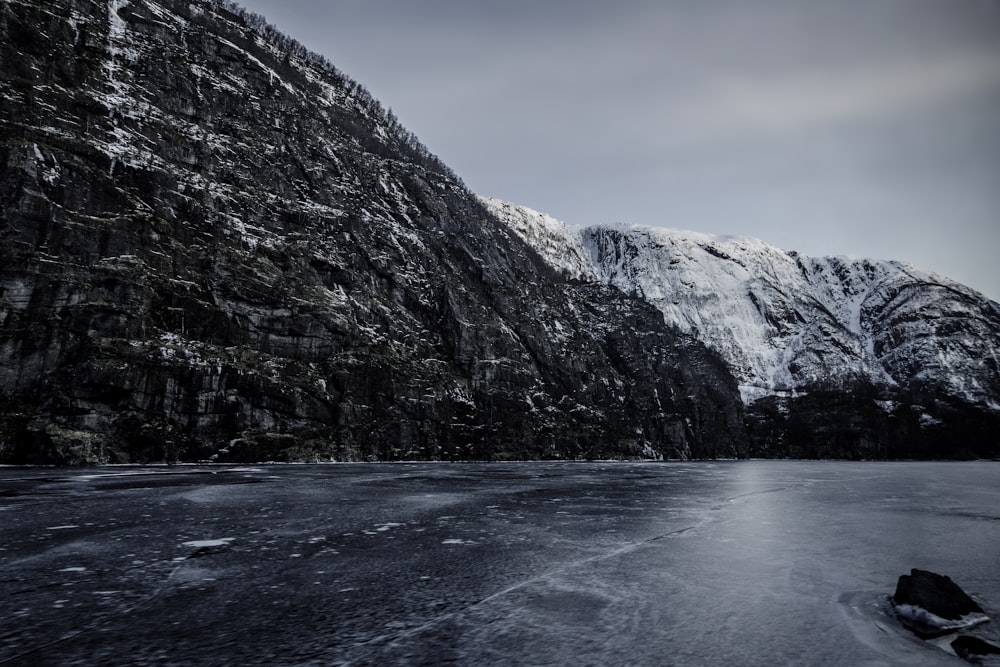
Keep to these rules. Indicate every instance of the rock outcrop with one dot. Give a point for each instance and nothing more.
(936, 593)
(935, 608)
(216, 246)
(975, 649)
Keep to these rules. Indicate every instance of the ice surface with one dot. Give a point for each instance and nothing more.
(730, 563)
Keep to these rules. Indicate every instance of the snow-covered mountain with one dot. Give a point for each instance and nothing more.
(785, 322)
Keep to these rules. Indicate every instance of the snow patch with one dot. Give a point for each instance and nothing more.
(270, 72)
(560, 245)
(386, 527)
(926, 421)
(926, 621)
(208, 544)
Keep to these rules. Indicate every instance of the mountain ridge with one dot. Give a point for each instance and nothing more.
(666, 265)
(880, 335)
(217, 247)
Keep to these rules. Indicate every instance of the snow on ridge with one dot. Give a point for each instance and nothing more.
(559, 244)
(784, 321)
(674, 233)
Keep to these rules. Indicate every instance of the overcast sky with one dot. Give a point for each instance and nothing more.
(867, 128)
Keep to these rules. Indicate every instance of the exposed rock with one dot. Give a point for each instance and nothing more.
(216, 246)
(931, 604)
(974, 649)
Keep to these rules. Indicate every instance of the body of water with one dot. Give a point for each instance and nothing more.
(727, 563)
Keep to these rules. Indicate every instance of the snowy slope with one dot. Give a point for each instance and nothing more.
(559, 244)
(785, 322)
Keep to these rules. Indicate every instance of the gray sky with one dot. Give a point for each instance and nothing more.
(867, 128)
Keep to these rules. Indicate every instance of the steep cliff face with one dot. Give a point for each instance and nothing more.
(856, 357)
(215, 246)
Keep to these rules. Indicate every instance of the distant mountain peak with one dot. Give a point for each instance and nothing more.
(783, 321)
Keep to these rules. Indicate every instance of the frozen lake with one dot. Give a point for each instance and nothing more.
(729, 563)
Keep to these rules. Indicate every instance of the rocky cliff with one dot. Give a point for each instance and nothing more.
(217, 246)
(834, 356)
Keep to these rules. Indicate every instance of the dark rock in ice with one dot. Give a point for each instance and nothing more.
(936, 593)
(973, 649)
(931, 604)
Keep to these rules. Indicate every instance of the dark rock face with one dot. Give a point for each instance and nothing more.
(871, 422)
(934, 593)
(973, 649)
(214, 245)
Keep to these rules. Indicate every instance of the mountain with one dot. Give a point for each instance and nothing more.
(216, 246)
(812, 341)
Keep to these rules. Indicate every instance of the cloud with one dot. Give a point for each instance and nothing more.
(798, 102)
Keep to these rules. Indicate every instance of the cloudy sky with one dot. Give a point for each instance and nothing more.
(867, 128)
